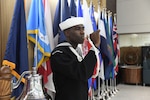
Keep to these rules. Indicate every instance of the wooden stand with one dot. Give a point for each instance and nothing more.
(5, 83)
(131, 74)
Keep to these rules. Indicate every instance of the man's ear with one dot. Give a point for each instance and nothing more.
(66, 32)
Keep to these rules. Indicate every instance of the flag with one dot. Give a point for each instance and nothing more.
(87, 20)
(48, 23)
(116, 46)
(79, 9)
(91, 12)
(102, 35)
(40, 33)
(110, 26)
(45, 68)
(88, 28)
(57, 19)
(88, 43)
(73, 9)
(108, 61)
(16, 53)
(37, 33)
(101, 73)
(62, 13)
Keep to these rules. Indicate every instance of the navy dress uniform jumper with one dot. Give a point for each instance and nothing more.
(71, 72)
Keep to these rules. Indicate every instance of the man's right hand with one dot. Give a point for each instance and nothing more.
(95, 37)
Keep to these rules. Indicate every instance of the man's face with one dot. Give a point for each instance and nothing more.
(76, 34)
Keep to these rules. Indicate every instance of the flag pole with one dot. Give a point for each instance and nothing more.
(103, 90)
(98, 97)
(34, 68)
(116, 90)
(99, 92)
(107, 90)
(115, 22)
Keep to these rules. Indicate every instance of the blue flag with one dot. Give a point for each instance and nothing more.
(37, 34)
(16, 54)
(91, 11)
(73, 8)
(62, 13)
(79, 9)
(108, 63)
(110, 25)
(57, 19)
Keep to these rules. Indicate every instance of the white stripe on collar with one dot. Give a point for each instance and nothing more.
(72, 49)
(64, 44)
(75, 52)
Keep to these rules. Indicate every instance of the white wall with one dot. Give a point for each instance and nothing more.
(133, 16)
(135, 40)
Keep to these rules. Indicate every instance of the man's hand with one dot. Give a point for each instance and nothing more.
(95, 37)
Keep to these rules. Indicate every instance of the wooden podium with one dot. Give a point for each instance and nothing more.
(131, 74)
